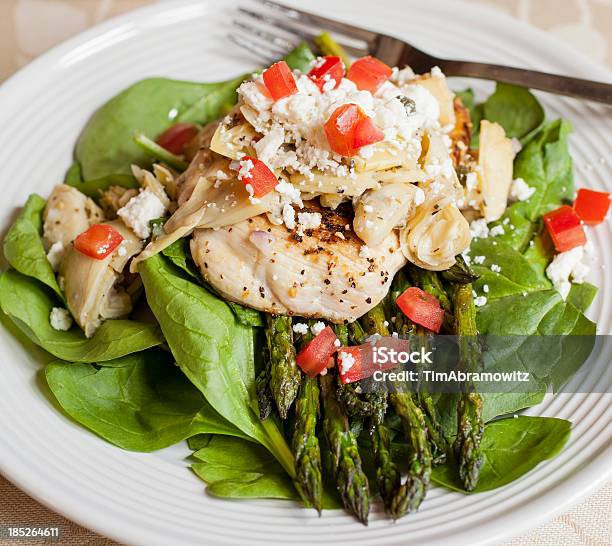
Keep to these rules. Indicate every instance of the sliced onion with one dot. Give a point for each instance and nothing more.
(262, 240)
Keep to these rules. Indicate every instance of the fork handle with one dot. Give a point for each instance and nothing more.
(562, 85)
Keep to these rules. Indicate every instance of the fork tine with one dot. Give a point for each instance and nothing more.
(256, 49)
(291, 28)
(284, 45)
(324, 22)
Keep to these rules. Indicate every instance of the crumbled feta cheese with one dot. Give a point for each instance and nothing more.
(289, 190)
(220, 175)
(419, 197)
(471, 181)
(246, 169)
(520, 191)
(301, 117)
(55, 255)
(300, 328)
(436, 72)
(479, 301)
(140, 210)
(309, 220)
(346, 361)
(495, 268)
(364, 252)
(497, 230)
(485, 288)
(268, 146)
(568, 265)
(121, 250)
(288, 216)
(479, 260)
(425, 103)
(479, 229)
(337, 343)
(317, 328)
(60, 319)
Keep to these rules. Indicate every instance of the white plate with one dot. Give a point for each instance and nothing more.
(154, 499)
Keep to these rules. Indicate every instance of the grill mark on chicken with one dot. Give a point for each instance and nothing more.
(311, 274)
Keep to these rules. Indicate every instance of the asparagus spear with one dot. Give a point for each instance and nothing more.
(410, 494)
(470, 424)
(460, 272)
(285, 376)
(375, 322)
(306, 450)
(388, 478)
(264, 396)
(328, 46)
(342, 333)
(356, 335)
(351, 482)
(368, 405)
(308, 479)
(401, 323)
(429, 281)
(437, 440)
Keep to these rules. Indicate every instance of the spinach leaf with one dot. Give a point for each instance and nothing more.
(23, 246)
(582, 295)
(300, 58)
(246, 315)
(179, 254)
(106, 146)
(73, 174)
(516, 276)
(28, 303)
(212, 348)
(93, 188)
(503, 403)
(511, 448)
(140, 402)
(236, 468)
(546, 165)
(515, 109)
(214, 104)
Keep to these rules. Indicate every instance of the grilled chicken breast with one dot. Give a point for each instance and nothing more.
(322, 273)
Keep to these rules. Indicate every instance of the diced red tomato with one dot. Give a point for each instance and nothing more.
(592, 206)
(363, 365)
(366, 133)
(314, 358)
(349, 128)
(422, 308)
(329, 68)
(261, 179)
(279, 80)
(565, 228)
(368, 73)
(176, 138)
(98, 241)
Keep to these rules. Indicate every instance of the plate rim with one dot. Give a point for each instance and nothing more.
(572, 490)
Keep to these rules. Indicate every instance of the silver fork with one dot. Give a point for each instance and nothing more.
(274, 31)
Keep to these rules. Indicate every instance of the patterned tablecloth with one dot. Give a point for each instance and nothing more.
(30, 27)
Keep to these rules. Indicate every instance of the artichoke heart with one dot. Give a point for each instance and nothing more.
(67, 214)
(91, 285)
